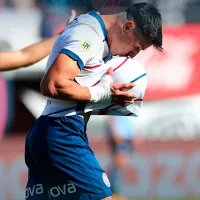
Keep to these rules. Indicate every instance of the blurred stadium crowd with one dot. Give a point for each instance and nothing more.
(156, 155)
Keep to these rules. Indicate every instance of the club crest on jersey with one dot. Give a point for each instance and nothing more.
(86, 46)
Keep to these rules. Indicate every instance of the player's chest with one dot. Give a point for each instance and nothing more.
(95, 68)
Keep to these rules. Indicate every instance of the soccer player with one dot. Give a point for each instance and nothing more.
(60, 161)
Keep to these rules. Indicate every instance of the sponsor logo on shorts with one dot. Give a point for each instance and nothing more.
(53, 192)
(86, 46)
(105, 179)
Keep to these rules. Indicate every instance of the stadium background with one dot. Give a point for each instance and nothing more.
(165, 164)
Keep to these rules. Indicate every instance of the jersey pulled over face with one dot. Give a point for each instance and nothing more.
(126, 70)
(85, 41)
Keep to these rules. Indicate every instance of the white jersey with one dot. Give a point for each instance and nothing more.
(85, 41)
(126, 70)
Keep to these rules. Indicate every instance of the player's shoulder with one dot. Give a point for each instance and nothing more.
(84, 24)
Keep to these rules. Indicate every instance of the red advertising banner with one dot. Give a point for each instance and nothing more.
(175, 72)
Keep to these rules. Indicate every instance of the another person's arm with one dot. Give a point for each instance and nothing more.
(29, 55)
(26, 56)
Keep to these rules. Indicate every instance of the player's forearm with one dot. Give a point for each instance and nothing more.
(38, 51)
(9, 60)
(67, 90)
(27, 56)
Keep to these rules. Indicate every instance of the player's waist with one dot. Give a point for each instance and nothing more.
(59, 108)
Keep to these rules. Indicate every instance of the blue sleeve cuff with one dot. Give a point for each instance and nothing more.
(73, 56)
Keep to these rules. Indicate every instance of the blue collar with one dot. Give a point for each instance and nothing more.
(101, 22)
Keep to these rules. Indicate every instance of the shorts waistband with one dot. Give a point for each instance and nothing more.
(75, 118)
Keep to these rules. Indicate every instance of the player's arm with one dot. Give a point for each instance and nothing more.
(30, 54)
(26, 56)
(59, 82)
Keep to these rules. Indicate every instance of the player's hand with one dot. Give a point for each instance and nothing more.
(107, 92)
(120, 94)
